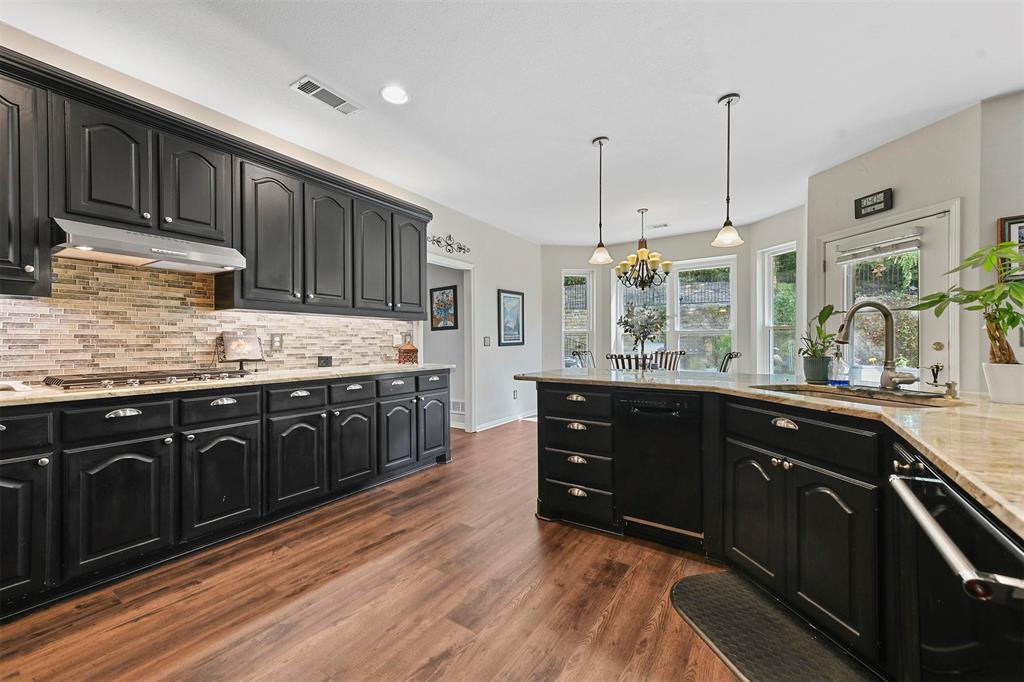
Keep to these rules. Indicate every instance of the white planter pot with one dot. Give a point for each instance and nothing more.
(1005, 383)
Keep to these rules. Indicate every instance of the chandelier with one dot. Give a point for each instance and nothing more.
(644, 268)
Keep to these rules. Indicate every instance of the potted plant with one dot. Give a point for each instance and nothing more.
(1002, 308)
(815, 346)
(643, 323)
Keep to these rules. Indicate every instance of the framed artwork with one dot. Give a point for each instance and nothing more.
(511, 330)
(444, 308)
(1012, 230)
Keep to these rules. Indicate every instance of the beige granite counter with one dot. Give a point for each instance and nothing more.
(980, 444)
(46, 394)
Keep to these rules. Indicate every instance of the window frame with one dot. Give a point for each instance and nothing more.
(589, 276)
(764, 307)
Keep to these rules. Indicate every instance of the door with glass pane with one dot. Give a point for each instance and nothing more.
(894, 266)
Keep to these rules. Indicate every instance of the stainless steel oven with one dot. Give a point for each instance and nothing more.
(960, 585)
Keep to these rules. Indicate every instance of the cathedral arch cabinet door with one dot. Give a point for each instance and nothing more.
(410, 258)
(433, 417)
(271, 235)
(398, 442)
(220, 477)
(103, 165)
(372, 247)
(353, 446)
(195, 191)
(328, 232)
(118, 503)
(296, 459)
(26, 512)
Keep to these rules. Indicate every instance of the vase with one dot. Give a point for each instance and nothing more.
(1005, 383)
(816, 370)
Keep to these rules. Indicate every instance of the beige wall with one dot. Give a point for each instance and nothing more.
(503, 260)
(785, 227)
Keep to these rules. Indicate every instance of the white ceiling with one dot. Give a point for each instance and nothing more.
(506, 96)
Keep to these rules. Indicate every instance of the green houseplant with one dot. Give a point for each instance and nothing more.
(1002, 308)
(643, 323)
(815, 347)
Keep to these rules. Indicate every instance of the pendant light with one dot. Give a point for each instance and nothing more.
(600, 255)
(644, 268)
(728, 236)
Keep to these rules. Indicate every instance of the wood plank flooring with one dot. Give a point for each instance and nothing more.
(445, 574)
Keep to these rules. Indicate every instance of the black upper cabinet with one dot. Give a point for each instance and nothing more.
(103, 165)
(195, 190)
(372, 246)
(328, 219)
(220, 476)
(118, 501)
(24, 241)
(398, 442)
(432, 426)
(296, 459)
(353, 445)
(25, 524)
(271, 235)
(409, 241)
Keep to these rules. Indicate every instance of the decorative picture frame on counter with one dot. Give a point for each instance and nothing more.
(1011, 229)
(511, 324)
(444, 308)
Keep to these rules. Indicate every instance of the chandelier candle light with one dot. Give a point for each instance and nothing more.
(600, 255)
(728, 236)
(644, 268)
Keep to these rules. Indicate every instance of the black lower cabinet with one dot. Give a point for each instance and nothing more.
(118, 503)
(398, 442)
(433, 416)
(353, 448)
(26, 546)
(220, 477)
(832, 554)
(755, 513)
(296, 459)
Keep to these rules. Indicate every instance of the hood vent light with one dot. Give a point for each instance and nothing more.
(307, 85)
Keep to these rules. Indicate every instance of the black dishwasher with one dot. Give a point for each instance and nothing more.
(658, 464)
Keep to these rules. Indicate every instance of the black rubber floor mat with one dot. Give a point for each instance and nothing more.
(757, 637)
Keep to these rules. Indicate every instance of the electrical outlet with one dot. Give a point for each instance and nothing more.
(276, 342)
(324, 361)
(515, 394)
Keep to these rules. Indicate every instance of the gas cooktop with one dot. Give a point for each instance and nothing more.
(70, 382)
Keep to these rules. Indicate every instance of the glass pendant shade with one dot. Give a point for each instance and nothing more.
(600, 256)
(727, 236)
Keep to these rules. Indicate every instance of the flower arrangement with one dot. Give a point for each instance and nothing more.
(643, 323)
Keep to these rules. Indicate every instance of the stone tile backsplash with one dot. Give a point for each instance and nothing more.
(108, 318)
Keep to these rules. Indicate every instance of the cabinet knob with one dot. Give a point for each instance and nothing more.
(146, 215)
(323, 415)
(30, 268)
(398, 305)
(787, 465)
(776, 461)
(43, 461)
(168, 440)
(337, 413)
(190, 437)
(900, 468)
(309, 296)
(2, 428)
(296, 294)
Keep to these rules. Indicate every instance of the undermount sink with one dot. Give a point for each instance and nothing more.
(866, 395)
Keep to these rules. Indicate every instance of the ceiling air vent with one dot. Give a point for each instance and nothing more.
(659, 226)
(308, 86)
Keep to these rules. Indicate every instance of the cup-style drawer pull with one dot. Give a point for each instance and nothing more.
(222, 401)
(577, 492)
(576, 426)
(300, 394)
(123, 412)
(398, 382)
(434, 378)
(354, 387)
(576, 398)
(784, 423)
(576, 459)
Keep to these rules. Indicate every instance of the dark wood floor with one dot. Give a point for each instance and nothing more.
(445, 574)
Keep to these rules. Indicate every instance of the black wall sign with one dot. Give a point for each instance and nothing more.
(873, 203)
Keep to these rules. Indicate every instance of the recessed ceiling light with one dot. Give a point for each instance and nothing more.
(395, 94)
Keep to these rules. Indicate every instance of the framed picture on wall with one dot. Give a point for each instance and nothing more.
(444, 308)
(1012, 230)
(511, 329)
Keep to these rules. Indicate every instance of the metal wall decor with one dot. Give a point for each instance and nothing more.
(448, 243)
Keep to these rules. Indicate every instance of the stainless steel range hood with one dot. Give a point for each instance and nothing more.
(128, 247)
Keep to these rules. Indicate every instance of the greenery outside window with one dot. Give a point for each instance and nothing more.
(777, 336)
(577, 313)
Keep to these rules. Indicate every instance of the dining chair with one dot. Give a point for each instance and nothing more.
(584, 359)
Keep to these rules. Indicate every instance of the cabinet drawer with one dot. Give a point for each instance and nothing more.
(578, 503)
(577, 435)
(353, 390)
(296, 398)
(841, 446)
(395, 386)
(115, 420)
(592, 471)
(569, 403)
(217, 407)
(430, 382)
(25, 431)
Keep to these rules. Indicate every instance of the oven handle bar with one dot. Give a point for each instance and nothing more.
(977, 584)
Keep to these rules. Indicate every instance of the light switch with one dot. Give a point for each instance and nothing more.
(487, 340)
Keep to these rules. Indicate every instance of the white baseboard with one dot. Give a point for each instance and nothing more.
(456, 423)
(505, 420)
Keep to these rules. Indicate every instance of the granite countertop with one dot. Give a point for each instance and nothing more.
(979, 444)
(45, 394)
